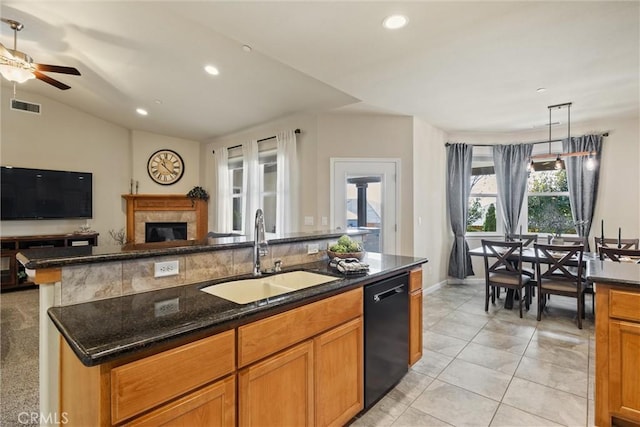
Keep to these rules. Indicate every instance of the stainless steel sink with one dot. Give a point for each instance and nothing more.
(249, 290)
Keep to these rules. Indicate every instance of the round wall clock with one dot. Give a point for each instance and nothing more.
(165, 167)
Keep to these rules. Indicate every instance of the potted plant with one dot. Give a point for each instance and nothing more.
(198, 193)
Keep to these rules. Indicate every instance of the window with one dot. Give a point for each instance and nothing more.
(236, 175)
(268, 187)
(548, 207)
(483, 215)
(267, 181)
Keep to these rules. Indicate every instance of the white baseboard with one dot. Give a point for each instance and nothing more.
(433, 288)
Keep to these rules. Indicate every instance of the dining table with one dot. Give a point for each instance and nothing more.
(528, 255)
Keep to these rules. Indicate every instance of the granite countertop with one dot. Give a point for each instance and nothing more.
(58, 257)
(618, 273)
(105, 330)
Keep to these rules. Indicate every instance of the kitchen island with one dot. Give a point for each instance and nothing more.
(115, 325)
(617, 333)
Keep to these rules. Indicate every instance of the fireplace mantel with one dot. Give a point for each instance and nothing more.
(165, 204)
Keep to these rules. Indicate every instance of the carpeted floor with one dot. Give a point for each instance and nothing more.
(19, 398)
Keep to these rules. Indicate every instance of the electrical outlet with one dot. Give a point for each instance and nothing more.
(166, 268)
(312, 248)
(166, 307)
(324, 220)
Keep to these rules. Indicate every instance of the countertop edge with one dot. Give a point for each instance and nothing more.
(35, 259)
(191, 332)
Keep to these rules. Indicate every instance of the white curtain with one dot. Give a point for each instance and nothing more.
(251, 184)
(224, 222)
(287, 182)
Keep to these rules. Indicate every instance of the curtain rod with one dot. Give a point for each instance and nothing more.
(536, 142)
(260, 140)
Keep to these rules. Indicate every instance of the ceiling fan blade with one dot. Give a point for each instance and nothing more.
(51, 81)
(4, 52)
(57, 69)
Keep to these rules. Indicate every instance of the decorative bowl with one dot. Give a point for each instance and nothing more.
(358, 255)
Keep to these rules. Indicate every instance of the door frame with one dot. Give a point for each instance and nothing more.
(397, 163)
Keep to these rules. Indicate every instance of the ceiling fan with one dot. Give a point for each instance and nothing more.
(19, 67)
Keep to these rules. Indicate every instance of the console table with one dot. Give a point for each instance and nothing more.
(12, 276)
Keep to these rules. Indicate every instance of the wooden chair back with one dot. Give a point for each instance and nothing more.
(618, 255)
(564, 261)
(527, 239)
(613, 243)
(506, 257)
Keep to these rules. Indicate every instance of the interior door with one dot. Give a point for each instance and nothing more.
(364, 196)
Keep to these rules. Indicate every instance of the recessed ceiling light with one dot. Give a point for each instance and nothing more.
(541, 89)
(393, 22)
(211, 70)
(142, 111)
(246, 48)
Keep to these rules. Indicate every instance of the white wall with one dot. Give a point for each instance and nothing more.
(618, 200)
(144, 144)
(64, 138)
(432, 234)
(67, 139)
(336, 135)
(374, 136)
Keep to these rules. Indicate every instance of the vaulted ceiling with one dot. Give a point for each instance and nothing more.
(460, 66)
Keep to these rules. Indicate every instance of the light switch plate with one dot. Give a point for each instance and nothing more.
(308, 220)
(166, 268)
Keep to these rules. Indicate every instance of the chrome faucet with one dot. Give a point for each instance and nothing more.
(259, 242)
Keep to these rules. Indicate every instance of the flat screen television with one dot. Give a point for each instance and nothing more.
(45, 194)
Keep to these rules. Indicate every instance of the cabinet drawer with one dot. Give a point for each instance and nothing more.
(624, 305)
(267, 336)
(145, 383)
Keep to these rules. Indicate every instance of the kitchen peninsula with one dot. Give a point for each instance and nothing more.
(617, 342)
(119, 324)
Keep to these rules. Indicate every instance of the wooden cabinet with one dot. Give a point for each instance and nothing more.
(143, 384)
(212, 406)
(415, 316)
(318, 381)
(339, 378)
(177, 384)
(12, 273)
(617, 355)
(278, 391)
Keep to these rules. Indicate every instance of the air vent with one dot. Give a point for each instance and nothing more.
(25, 106)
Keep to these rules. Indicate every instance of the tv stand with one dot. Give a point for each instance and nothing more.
(12, 275)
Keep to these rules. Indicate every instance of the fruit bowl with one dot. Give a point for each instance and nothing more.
(358, 255)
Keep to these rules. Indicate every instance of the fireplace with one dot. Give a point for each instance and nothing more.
(164, 208)
(164, 231)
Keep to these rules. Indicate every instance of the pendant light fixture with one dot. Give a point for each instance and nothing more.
(559, 164)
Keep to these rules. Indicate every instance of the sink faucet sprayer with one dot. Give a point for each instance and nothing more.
(259, 242)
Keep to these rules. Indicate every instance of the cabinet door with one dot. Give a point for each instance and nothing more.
(415, 316)
(624, 375)
(415, 326)
(339, 374)
(212, 406)
(278, 391)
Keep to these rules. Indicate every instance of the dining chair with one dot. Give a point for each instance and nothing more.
(503, 268)
(563, 276)
(613, 243)
(619, 255)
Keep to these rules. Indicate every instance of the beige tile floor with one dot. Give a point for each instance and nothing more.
(493, 368)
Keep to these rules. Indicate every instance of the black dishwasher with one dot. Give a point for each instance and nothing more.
(386, 336)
